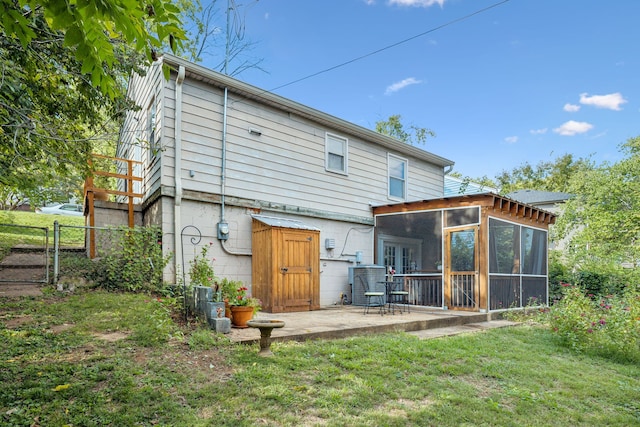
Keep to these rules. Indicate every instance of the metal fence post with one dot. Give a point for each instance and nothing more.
(56, 252)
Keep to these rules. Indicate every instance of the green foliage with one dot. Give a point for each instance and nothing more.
(205, 339)
(228, 288)
(65, 67)
(602, 221)
(135, 261)
(598, 283)
(11, 234)
(91, 30)
(545, 176)
(607, 326)
(413, 135)
(238, 296)
(201, 268)
(559, 273)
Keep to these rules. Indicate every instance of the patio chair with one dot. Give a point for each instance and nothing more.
(372, 296)
(398, 295)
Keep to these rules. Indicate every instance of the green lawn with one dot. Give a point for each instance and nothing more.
(97, 358)
(13, 233)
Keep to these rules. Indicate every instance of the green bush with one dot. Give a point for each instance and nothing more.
(559, 273)
(598, 283)
(607, 326)
(134, 263)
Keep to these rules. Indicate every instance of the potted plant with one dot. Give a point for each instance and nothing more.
(228, 290)
(243, 307)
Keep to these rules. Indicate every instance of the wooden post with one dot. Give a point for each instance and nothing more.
(130, 191)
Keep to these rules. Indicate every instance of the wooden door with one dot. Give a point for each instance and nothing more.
(461, 268)
(299, 271)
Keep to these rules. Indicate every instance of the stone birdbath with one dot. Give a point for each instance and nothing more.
(265, 326)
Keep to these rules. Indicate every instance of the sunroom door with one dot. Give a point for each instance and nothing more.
(461, 268)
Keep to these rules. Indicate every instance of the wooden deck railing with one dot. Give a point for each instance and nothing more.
(424, 289)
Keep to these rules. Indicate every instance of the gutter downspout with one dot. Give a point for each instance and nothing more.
(223, 166)
(177, 173)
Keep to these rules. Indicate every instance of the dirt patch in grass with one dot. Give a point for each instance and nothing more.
(111, 336)
(16, 322)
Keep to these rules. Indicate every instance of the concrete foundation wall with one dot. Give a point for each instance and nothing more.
(233, 257)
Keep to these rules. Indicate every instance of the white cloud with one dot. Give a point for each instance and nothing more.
(572, 128)
(611, 101)
(417, 3)
(538, 131)
(401, 85)
(370, 2)
(571, 108)
(511, 139)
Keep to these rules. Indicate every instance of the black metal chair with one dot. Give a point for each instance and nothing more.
(398, 295)
(372, 296)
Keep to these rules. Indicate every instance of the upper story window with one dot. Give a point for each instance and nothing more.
(336, 153)
(397, 169)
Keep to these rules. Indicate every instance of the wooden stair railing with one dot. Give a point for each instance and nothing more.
(90, 192)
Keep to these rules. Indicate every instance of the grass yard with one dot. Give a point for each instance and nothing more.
(13, 233)
(97, 358)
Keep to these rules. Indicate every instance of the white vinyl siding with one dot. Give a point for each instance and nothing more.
(397, 170)
(284, 166)
(336, 154)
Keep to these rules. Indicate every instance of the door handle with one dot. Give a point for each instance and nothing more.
(284, 269)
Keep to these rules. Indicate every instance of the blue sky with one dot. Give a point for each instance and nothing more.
(526, 80)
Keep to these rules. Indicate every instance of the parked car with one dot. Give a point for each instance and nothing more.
(62, 209)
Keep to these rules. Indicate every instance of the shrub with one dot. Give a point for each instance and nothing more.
(597, 283)
(608, 326)
(559, 273)
(135, 262)
(201, 269)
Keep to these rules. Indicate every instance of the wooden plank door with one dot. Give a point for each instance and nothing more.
(299, 271)
(461, 268)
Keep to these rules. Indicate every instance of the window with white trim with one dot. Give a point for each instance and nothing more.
(336, 153)
(397, 170)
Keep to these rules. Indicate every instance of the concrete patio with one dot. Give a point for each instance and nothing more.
(344, 321)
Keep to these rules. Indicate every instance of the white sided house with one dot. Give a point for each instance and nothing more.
(284, 194)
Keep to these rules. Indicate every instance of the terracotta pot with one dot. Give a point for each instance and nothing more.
(240, 315)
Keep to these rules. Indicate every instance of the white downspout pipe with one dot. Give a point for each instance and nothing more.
(223, 167)
(177, 174)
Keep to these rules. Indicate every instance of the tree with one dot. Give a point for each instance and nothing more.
(64, 66)
(545, 176)
(90, 29)
(412, 135)
(602, 220)
(218, 32)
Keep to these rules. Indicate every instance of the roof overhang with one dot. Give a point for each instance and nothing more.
(198, 72)
(272, 221)
(499, 204)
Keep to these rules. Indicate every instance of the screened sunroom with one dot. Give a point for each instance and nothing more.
(480, 252)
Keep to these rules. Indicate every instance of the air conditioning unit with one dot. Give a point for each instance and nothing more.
(374, 274)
